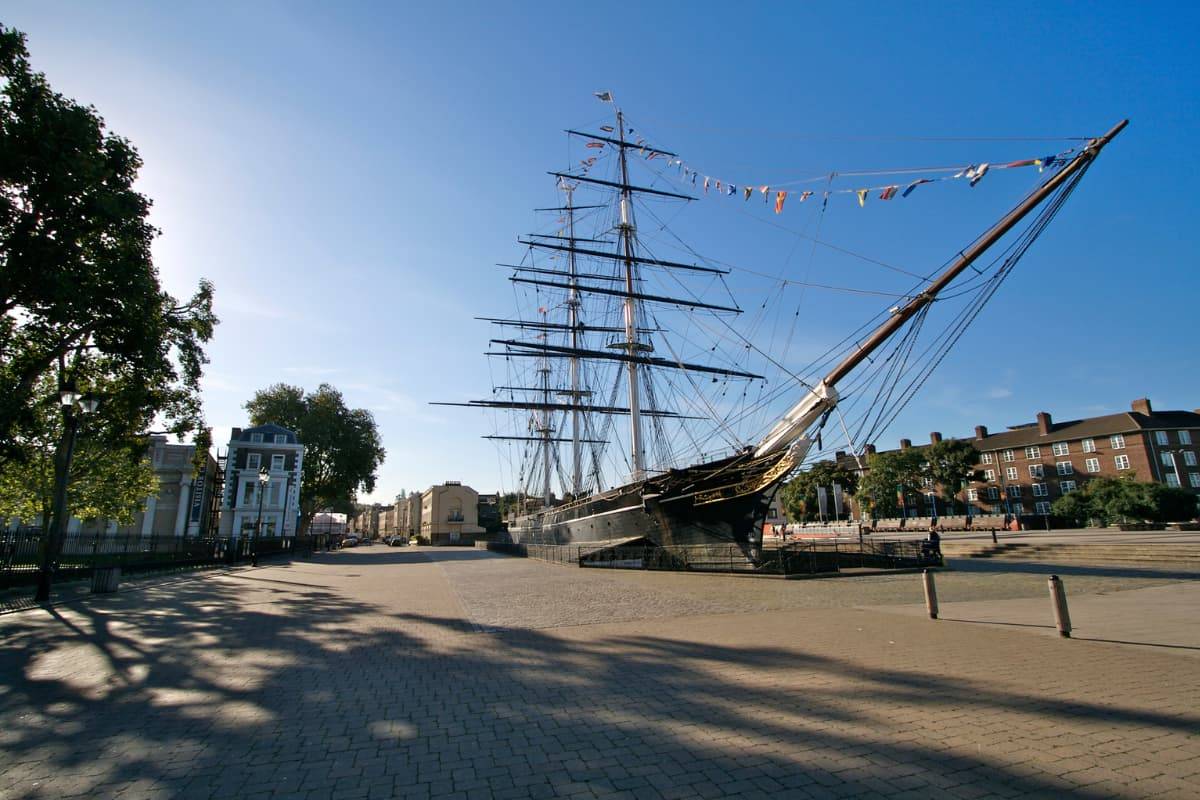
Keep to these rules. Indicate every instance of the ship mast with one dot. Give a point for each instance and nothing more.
(823, 397)
(626, 228)
(545, 431)
(573, 323)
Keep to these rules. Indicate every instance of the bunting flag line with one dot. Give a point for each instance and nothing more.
(749, 190)
(603, 97)
(596, 145)
(765, 191)
(779, 198)
(862, 197)
(908, 189)
(606, 128)
(706, 184)
(980, 171)
(804, 196)
(731, 190)
(888, 193)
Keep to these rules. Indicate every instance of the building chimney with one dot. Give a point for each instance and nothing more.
(1043, 423)
(1142, 406)
(840, 454)
(980, 431)
(237, 432)
(905, 444)
(871, 447)
(935, 437)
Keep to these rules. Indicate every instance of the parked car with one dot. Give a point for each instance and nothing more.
(350, 541)
(397, 541)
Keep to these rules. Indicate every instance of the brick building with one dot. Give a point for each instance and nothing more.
(1028, 466)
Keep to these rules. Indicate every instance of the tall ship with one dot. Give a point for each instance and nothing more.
(624, 370)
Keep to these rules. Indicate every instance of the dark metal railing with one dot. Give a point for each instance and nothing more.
(21, 549)
(809, 557)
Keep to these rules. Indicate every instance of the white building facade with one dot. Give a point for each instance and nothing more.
(278, 451)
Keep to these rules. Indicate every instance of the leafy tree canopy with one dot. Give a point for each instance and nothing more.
(342, 448)
(799, 495)
(110, 477)
(888, 474)
(1107, 500)
(951, 465)
(79, 293)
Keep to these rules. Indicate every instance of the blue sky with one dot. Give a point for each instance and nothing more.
(348, 176)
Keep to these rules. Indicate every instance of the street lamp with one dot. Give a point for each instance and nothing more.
(52, 541)
(264, 478)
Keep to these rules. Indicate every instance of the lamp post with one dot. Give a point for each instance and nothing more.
(264, 478)
(52, 541)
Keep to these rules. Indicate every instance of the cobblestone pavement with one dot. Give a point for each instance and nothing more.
(454, 673)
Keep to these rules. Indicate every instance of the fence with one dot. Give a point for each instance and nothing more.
(21, 553)
(797, 558)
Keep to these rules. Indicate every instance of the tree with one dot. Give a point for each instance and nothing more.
(342, 448)
(79, 293)
(799, 495)
(888, 475)
(109, 479)
(1108, 500)
(1171, 503)
(951, 465)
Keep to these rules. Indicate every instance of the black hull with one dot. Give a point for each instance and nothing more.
(723, 502)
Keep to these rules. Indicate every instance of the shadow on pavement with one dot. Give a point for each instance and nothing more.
(200, 689)
(1010, 566)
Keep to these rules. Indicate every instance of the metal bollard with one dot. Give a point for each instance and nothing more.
(930, 594)
(994, 539)
(1058, 596)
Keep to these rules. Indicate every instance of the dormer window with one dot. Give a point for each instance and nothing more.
(256, 437)
(280, 438)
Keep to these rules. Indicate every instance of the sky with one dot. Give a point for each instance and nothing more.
(348, 176)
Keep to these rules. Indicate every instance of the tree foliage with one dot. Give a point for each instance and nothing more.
(950, 464)
(1106, 501)
(799, 495)
(342, 449)
(888, 474)
(79, 293)
(109, 479)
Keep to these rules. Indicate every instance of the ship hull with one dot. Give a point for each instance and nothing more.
(722, 502)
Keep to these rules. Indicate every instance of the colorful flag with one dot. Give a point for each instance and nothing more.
(749, 190)
(731, 190)
(1048, 161)
(862, 196)
(706, 184)
(804, 196)
(965, 173)
(765, 192)
(603, 97)
(718, 184)
(597, 145)
(980, 171)
(779, 198)
(606, 128)
(908, 189)
(1029, 162)
(694, 174)
(888, 193)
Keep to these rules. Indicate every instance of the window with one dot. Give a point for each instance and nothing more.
(973, 494)
(256, 437)
(1089, 445)
(1194, 477)
(993, 493)
(1008, 455)
(1117, 442)
(989, 475)
(1018, 508)
(248, 496)
(772, 513)
(1065, 468)
(1165, 458)
(927, 481)
(253, 461)
(1066, 487)
(1011, 473)
(987, 458)
(1122, 462)
(1161, 438)
(1189, 458)
(276, 488)
(1061, 448)
(1185, 437)
(1014, 490)
(1033, 452)
(1039, 490)
(1036, 471)
(280, 438)
(1042, 508)
(1172, 479)
(1093, 465)
(277, 463)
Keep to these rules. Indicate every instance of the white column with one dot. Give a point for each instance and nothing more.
(181, 513)
(148, 515)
